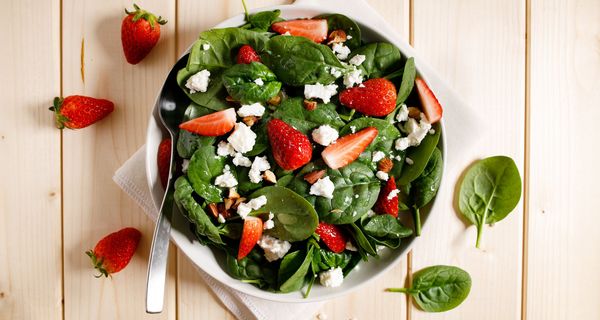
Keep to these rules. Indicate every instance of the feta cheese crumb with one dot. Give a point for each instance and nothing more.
(356, 196)
(260, 164)
(340, 50)
(325, 135)
(357, 60)
(255, 109)
(259, 82)
(392, 194)
(324, 187)
(184, 165)
(370, 213)
(269, 224)
(350, 246)
(353, 129)
(382, 175)
(431, 131)
(402, 113)
(416, 133)
(245, 208)
(221, 219)
(332, 277)
(243, 138)
(353, 78)
(409, 161)
(323, 92)
(274, 248)
(227, 179)
(241, 161)
(378, 155)
(225, 149)
(335, 72)
(205, 46)
(287, 33)
(198, 82)
(348, 37)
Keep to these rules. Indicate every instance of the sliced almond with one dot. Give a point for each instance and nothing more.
(275, 101)
(313, 176)
(250, 120)
(337, 36)
(233, 194)
(385, 165)
(213, 209)
(230, 99)
(414, 112)
(310, 105)
(268, 175)
(237, 202)
(228, 203)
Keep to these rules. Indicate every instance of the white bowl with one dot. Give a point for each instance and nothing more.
(213, 261)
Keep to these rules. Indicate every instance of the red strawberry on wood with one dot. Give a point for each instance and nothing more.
(251, 233)
(313, 29)
(291, 148)
(376, 97)
(76, 112)
(113, 252)
(348, 148)
(333, 236)
(140, 31)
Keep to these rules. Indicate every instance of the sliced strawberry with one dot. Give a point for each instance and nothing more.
(333, 236)
(313, 29)
(431, 107)
(386, 204)
(251, 233)
(214, 124)
(247, 55)
(163, 160)
(376, 97)
(348, 148)
(291, 148)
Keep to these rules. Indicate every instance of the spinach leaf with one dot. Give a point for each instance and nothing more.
(194, 212)
(231, 230)
(426, 186)
(408, 81)
(213, 98)
(327, 259)
(239, 81)
(364, 245)
(262, 21)
(298, 61)
(490, 190)
(380, 59)
(295, 219)
(204, 166)
(438, 288)
(254, 269)
(338, 21)
(386, 226)
(420, 156)
(292, 111)
(293, 270)
(187, 142)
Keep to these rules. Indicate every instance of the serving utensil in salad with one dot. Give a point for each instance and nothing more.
(169, 109)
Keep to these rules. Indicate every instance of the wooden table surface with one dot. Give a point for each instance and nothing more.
(531, 66)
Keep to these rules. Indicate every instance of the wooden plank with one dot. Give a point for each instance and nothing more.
(30, 205)
(93, 204)
(478, 47)
(563, 256)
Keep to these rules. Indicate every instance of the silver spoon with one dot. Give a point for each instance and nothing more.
(169, 108)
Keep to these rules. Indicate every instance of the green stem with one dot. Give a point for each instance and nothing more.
(246, 11)
(401, 290)
(480, 231)
(417, 219)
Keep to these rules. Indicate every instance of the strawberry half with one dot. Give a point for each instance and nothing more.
(332, 236)
(291, 148)
(247, 54)
(251, 233)
(140, 32)
(163, 161)
(214, 124)
(431, 107)
(384, 204)
(348, 148)
(376, 97)
(313, 29)
(76, 112)
(113, 252)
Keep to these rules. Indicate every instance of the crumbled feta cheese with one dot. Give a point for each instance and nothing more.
(243, 138)
(260, 164)
(392, 194)
(332, 277)
(409, 161)
(269, 224)
(259, 82)
(431, 131)
(382, 175)
(356, 196)
(353, 129)
(324, 187)
(348, 37)
(241, 161)
(402, 113)
(227, 179)
(370, 213)
(325, 135)
(198, 82)
(353, 78)
(274, 248)
(335, 72)
(378, 155)
(402, 143)
(255, 109)
(340, 50)
(287, 33)
(184, 165)
(225, 149)
(323, 92)
(244, 209)
(350, 246)
(416, 133)
(221, 219)
(357, 60)
(205, 46)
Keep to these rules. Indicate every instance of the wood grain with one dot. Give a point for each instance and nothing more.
(563, 255)
(30, 214)
(93, 205)
(478, 47)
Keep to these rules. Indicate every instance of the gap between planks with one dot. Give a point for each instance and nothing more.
(408, 282)
(62, 185)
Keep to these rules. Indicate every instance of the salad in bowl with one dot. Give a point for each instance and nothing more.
(305, 150)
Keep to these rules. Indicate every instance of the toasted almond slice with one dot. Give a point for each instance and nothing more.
(213, 209)
(313, 176)
(275, 100)
(228, 203)
(337, 36)
(310, 105)
(237, 202)
(233, 194)
(269, 176)
(250, 120)
(385, 165)
(414, 112)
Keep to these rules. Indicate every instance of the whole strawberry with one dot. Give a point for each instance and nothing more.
(375, 97)
(291, 148)
(113, 252)
(332, 235)
(387, 203)
(76, 112)
(247, 54)
(163, 160)
(140, 32)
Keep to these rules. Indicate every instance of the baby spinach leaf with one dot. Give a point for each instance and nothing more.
(262, 21)
(187, 142)
(438, 288)
(194, 212)
(231, 230)
(420, 156)
(292, 111)
(328, 259)
(380, 59)
(425, 187)
(365, 247)
(254, 269)
(490, 190)
(213, 98)
(295, 219)
(293, 270)
(338, 21)
(298, 61)
(204, 166)
(239, 81)
(386, 226)
(408, 81)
